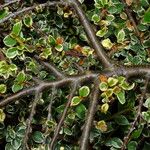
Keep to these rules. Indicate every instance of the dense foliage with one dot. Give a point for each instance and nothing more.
(62, 88)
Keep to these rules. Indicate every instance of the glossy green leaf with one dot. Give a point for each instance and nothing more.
(28, 21)
(112, 81)
(103, 86)
(38, 137)
(59, 47)
(121, 97)
(12, 52)
(121, 120)
(108, 93)
(146, 116)
(102, 32)
(9, 41)
(16, 88)
(107, 43)
(17, 28)
(84, 91)
(80, 111)
(114, 142)
(67, 131)
(132, 145)
(20, 77)
(75, 101)
(95, 18)
(147, 103)
(2, 115)
(51, 40)
(126, 86)
(3, 88)
(3, 13)
(120, 36)
(147, 16)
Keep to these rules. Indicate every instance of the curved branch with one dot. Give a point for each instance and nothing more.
(47, 84)
(50, 67)
(90, 116)
(131, 18)
(9, 3)
(28, 9)
(56, 132)
(126, 139)
(29, 120)
(91, 34)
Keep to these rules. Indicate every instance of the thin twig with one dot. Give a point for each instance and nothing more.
(47, 84)
(56, 132)
(90, 117)
(91, 34)
(50, 67)
(28, 9)
(128, 11)
(126, 138)
(7, 4)
(29, 120)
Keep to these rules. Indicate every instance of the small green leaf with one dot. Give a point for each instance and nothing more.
(12, 52)
(126, 86)
(95, 18)
(104, 2)
(147, 103)
(3, 88)
(51, 40)
(21, 77)
(121, 120)
(16, 88)
(3, 13)
(9, 41)
(120, 36)
(132, 145)
(108, 93)
(17, 28)
(80, 111)
(103, 86)
(112, 81)
(67, 131)
(101, 125)
(28, 21)
(59, 47)
(121, 79)
(115, 142)
(147, 16)
(121, 97)
(84, 91)
(38, 137)
(2, 115)
(102, 32)
(146, 116)
(75, 101)
(107, 43)
(104, 108)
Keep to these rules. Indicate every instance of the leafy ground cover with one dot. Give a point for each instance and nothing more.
(74, 75)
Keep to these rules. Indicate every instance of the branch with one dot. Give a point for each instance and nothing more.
(56, 132)
(29, 120)
(7, 4)
(138, 70)
(90, 117)
(131, 18)
(50, 67)
(47, 84)
(91, 34)
(28, 9)
(126, 139)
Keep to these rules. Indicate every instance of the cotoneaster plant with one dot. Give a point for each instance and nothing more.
(74, 74)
